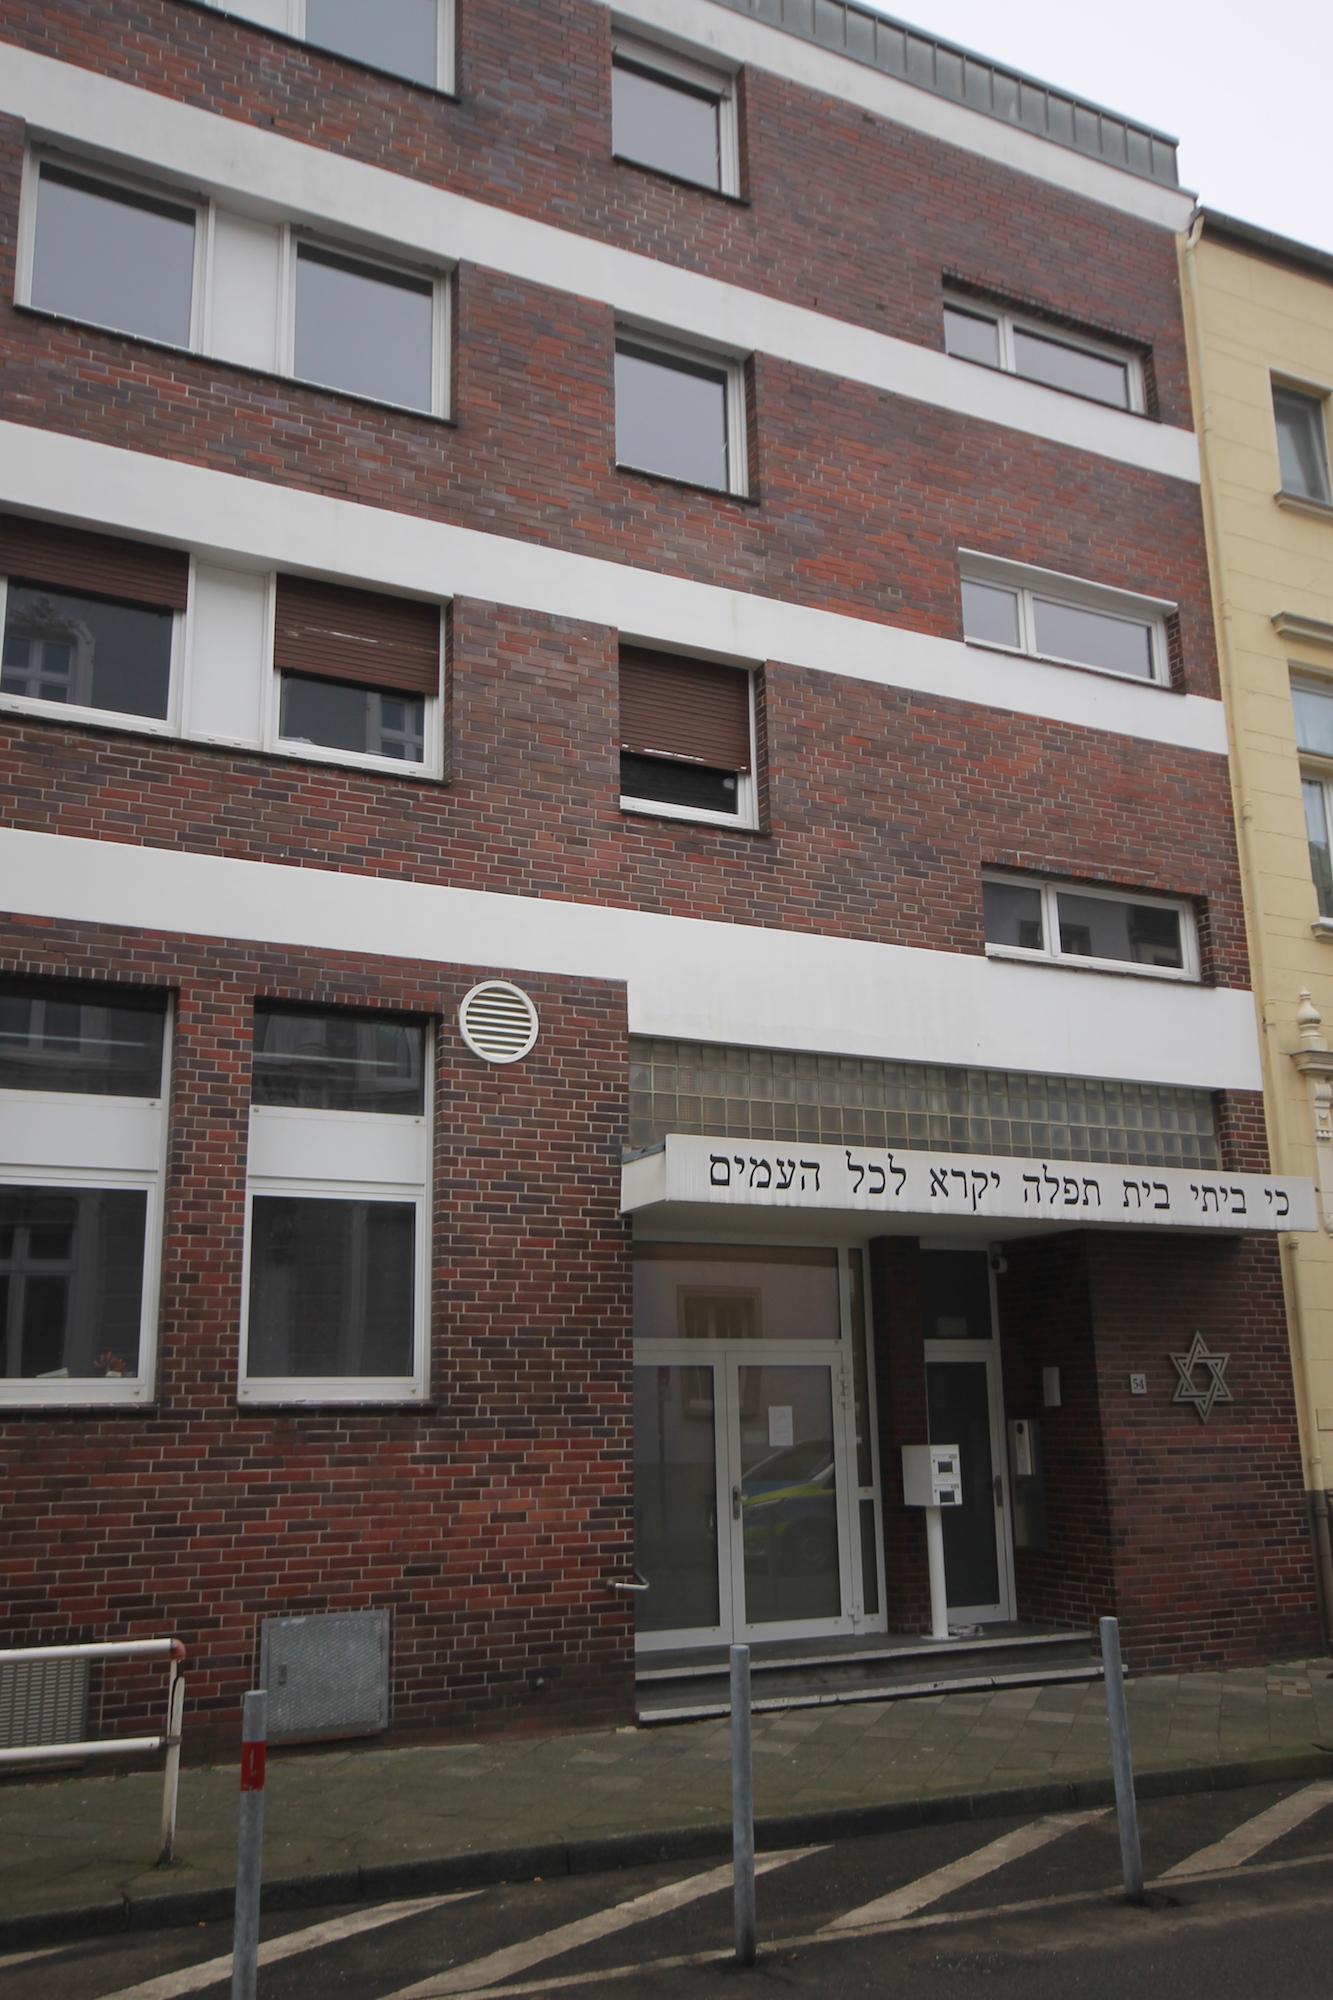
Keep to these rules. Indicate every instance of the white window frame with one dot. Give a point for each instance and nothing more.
(719, 84)
(671, 348)
(288, 17)
(746, 816)
(286, 1143)
(74, 1139)
(278, 745)
(295, 239)
(1050, 952)
(1318, 394)
(114, 178)
(1315, 770)
(1078, 594)
(109, 718)
(1008, 323)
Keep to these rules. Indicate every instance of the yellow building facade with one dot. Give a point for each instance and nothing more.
(1259, 311)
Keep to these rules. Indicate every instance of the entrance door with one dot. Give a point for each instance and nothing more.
(965, 1407)
(741, 1504)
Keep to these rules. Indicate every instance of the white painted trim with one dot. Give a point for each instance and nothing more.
(718, 33)
(243, 166)
(242, 523)
(687, 979)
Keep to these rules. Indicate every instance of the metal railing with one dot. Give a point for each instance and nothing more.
(170, 1650)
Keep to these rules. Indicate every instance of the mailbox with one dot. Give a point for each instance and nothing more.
(931, 1475)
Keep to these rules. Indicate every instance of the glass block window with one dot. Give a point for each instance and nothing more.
(740, 1093)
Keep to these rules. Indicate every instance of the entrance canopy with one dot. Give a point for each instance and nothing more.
(868, 1191)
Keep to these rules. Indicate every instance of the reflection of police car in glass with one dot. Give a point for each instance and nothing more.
(789, 1508)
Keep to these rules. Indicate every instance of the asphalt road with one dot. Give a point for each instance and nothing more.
(1240, 1903)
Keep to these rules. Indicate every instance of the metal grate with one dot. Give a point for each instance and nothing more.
(326, 1674)
(499, 1021)
(43, 1701)
(743, 1093)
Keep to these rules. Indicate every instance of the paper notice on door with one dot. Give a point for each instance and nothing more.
(780, 1428)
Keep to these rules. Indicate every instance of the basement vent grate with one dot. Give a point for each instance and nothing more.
(43, 1701)
(499, 1021)
(326, 1674)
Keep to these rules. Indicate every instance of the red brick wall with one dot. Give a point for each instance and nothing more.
(532, 132)
(489, 1521)
(882, 805)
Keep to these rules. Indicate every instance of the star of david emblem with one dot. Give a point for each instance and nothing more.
(1215, 1389)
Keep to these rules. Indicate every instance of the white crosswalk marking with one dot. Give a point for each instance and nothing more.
(26, 1957)
(1246, 1840)
(480, 1972)
(211, 1971)
(968, 1868)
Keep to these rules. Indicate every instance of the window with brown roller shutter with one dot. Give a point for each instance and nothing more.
(685, 734)
(336, 634)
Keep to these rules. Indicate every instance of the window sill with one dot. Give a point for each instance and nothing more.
(680, 180)
(448, 92)
(290, 1396)
(82, 1405)
(1303, 503)
(658, 809)
(1322, 927)
(244, 368)
(686, 485)
(1073, 667)
(1007, 955)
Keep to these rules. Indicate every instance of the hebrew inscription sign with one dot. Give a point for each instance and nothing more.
(897, 1182)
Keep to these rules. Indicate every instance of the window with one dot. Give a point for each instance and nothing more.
(1312, 702)
(337, 1288)
(90, 623)
(366, 329)
(686, 738)
(1101, 927)
(680, 414)
(1302, 444)
(676, 116)
(357, 672)
(409, 38)
(82, 1110)
(1040, 353)
(107, 252)
(1060, 618)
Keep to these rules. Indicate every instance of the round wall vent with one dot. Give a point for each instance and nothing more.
(498, 1021)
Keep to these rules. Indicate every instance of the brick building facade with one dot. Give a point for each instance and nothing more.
(740, 601)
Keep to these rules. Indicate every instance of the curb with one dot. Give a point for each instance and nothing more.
(598, 1854)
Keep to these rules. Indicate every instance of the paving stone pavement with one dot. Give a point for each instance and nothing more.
(87, 1839)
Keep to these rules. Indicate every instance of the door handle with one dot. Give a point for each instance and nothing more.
(999, 1490)
(735, 1503)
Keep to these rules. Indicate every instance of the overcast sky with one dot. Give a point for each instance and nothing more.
(1248, 90)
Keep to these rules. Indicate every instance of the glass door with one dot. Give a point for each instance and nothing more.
(788, 1497)
(965, 1407)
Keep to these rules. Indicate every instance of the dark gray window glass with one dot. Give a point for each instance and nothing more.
(1013, 915)
(341, 716)
(1061, 366)
(663, 782)
(338, 1060)
(86, 651)
(364, 329)
(1093, 638)
(1314, 719)
(1315, 800)
(971, 337)
(1138, 933)
(401, 36)
(122, 259)
(990, 615)
(671, 416)
(80, 1039)
(1302, 445)
(663, 122)
(332, 1287)
(71, 1282)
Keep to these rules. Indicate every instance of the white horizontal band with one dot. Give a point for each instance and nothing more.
(699, 981)
(738, 40)
(199, 150)
(249, 521)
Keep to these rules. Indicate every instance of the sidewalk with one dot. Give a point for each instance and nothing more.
(76, 1851)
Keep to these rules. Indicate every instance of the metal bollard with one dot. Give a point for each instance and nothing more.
(171, 1775)
(249, 1847)
(742, 1806)
(1122, 1765)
